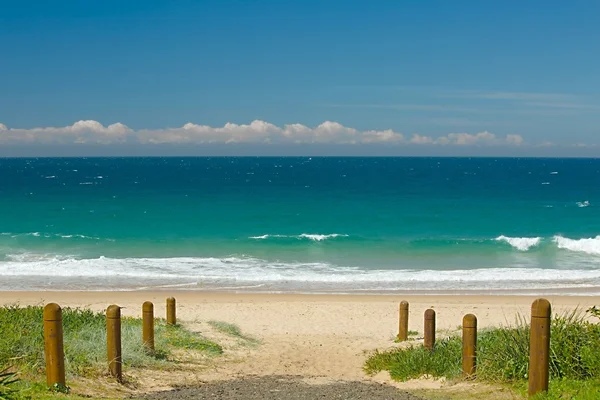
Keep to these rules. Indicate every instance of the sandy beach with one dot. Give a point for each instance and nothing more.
(321, 338)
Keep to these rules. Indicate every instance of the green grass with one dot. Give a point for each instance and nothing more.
(232, 330)
(22, 343)
(26, 390)
(503, 356)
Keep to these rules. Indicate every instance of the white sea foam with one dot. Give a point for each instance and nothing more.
(583, 204)
(318, 238)
(554, 173)
(520, 243)
(588, 246)
(545, 183)
(268, 236)
(239, 272)
(314, 237)
(53, 235)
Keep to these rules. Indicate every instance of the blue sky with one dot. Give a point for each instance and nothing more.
(524, 72)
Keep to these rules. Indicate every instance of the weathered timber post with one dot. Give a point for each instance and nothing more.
(113, 341)
(403, 321)
(171, 311)
(429, 329)
(469, 341)
(539, 347)
(148, 325)
(53, 345)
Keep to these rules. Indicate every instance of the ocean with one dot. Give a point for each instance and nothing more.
(320, 224)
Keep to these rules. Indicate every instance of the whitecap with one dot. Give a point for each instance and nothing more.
(520, 243)
(314, 237)
(583, 204)
(586, 245)
(318, 237)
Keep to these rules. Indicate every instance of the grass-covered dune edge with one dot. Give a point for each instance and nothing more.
(503, 357)
(22, 363)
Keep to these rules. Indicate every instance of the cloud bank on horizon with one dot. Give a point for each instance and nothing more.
(257, 132)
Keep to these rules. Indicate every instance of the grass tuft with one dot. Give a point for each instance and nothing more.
(7, 384)
(417, 361)
(232, 330)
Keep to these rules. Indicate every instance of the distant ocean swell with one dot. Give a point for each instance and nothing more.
(590, 246)
(585, 245)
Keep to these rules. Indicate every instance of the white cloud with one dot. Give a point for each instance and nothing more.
(468, 139)
(93, 132)
(80, 132)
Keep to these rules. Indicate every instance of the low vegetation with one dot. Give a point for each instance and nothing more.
(503, 356)
(22, 346)
(233, 331)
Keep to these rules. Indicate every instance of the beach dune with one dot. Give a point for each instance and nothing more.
(317, 337)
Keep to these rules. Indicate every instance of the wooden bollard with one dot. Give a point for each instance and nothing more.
(469, 343)
(539, 346)
(429, 330)
(403, 321)
(53, 345)
(113, 341)
(171, 311)
(148, 325)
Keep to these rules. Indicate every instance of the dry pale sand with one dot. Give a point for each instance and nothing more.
(319, 337)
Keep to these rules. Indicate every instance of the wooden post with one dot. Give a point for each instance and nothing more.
(539, 347)
(148, 325)
(469, 341)
(113, 341)
(403, 321)
(429, 331)
(171, 311)
(53, 345)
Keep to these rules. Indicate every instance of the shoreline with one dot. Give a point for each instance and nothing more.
(556, 292)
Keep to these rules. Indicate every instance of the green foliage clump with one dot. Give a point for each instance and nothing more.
(22, 344)
(503, 355)
(7, 384)
(417, 361)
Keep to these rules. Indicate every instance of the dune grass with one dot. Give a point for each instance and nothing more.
(503, 357)
(22, 344)
(233, 331)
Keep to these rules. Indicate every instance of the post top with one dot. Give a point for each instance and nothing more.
(113, 311)
(541, 308)
(52, 312)
(429, 314)
(470, 321)
(404, 304)
(148, 306)
(170, 299)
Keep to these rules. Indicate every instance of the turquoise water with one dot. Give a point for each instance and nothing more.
(301, 224)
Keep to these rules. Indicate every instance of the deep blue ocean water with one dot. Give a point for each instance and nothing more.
(301, 224)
